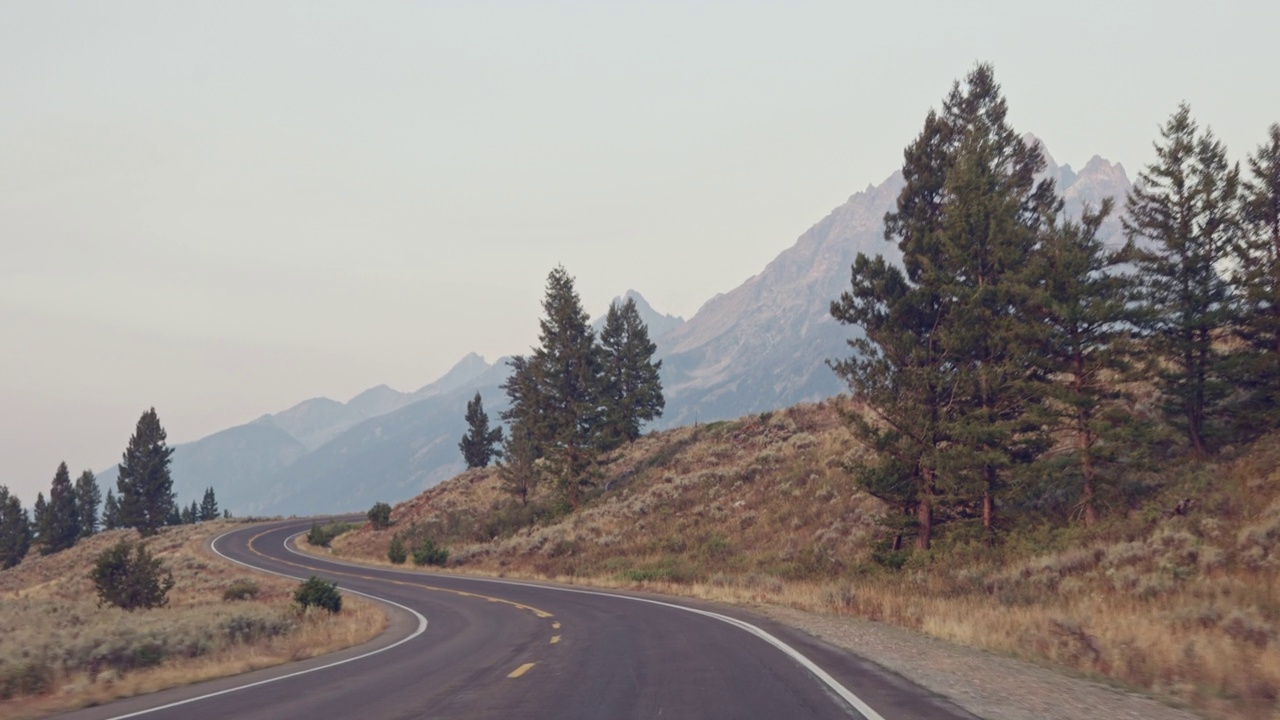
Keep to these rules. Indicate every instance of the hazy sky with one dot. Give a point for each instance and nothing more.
(221, 209)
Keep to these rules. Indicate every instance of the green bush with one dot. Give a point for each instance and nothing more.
(380, 516)
(320, 593)
(428, 553)
(241, 590)
(395, 551)
(322, 535)
(128, 577)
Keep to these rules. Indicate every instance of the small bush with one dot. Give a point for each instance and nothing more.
(380, 516)
(395, 551)
(428, 553)
(128, 577)
(320, 593)
(322, 535)
(241, 590)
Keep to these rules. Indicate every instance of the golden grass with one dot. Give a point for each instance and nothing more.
(66, 652)
(761, 510)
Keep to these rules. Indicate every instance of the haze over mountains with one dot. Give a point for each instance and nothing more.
(760, 346)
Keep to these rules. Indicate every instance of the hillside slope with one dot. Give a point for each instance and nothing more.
(1165, 596)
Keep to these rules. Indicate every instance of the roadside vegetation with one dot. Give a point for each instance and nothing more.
(61, 647)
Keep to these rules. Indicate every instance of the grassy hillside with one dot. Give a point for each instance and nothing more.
(60, 650)
(1174, 598)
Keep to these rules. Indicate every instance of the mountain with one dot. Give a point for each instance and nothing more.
(314, 422)
(659, 324)
(764, 345)
(233, 462)
(385, 458)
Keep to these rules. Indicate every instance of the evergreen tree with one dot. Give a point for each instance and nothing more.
(88, 498)
(62, 524)
(1257, 282)
(209, 506)
(174, 515)
(111, 512)
(945, 366)
(146, 499)
(555, 392)
(15, 530)
(631, 387)
(1083, 304)
(478, 445)
(518, 468)
(40, 526)
(190, 514)
(1181, 223)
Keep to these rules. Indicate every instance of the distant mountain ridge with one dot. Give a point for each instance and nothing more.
(761, 346)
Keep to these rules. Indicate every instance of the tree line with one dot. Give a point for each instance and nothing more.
(572, 398)
(1001, 356)
(143, 499)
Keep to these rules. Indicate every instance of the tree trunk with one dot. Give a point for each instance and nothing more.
(924, 513)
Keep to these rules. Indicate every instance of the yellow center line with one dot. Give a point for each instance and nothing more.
(463, 593)
(555, 625)
(521, 670)
(555, 639)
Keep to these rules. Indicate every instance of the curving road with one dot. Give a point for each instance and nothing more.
(462, 647)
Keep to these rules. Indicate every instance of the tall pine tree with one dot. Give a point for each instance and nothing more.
(15, 530)
(946, 363)
(478, 445)
(555, 391)
(1083, 305)
(1181, 224)
(62, 522)
(146, 489)
(88, 498)
(1257, 282)
(630, 385)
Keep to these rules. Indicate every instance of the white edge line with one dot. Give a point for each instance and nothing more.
(422, 627)
(834, 685)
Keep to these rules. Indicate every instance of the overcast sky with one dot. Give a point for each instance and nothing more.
(221, 209)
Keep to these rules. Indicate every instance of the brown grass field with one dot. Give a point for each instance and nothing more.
(60, 651)
(762, 510)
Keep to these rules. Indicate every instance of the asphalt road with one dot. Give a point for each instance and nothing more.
(463, 647)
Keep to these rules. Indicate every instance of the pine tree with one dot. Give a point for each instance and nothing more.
(945, 366)
(62, 525)
(174, 514)
(88, 498)
(555, 392)
(146, 490)
(111, 512)
(208, 506)
(631, 386)
(40, 518)
(190, 514)
(518, 468)
(1257, 281)
(1083, 305)
(479, 443)
(1181, 222)
(15, 530)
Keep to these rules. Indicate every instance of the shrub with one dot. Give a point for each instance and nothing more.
(128, 577)
(322, 535)
(428, 553)
(380, 516)
(395, 551)
(320, 593)
(241, 590)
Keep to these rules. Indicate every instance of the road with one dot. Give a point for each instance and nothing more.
(461, 647)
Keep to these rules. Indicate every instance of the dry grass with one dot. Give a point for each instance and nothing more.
(59, 650)
(761, 510)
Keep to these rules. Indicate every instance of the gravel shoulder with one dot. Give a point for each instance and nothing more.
(987, 685)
